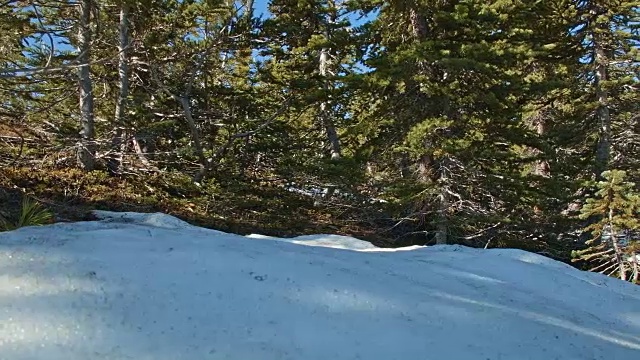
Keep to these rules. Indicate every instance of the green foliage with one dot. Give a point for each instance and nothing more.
(615, 214)
(31, 213)
(448, 91)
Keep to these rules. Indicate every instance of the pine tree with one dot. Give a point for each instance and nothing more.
(15, 27)
(552, 159)
(450, 82)
(608, 32)
(26, 58)
(312, 59)
(613, 247)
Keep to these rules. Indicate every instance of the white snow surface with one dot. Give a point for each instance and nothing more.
(149, 286)
(332, 241)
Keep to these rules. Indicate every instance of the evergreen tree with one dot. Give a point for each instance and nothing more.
(613, 247)
(606, 35)
(312, 58)
(15, 27)
(451, 84)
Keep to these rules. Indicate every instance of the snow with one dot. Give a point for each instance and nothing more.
(149, 286)
(332, 241)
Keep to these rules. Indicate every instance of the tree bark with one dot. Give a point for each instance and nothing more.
(616, 248)
(117, 142)
(87, 146)
(603, 151)
(636, 268)
(442, 219)
(325, 112)
(141, 153)
(195, 137)
(542, 166)
(418, 24)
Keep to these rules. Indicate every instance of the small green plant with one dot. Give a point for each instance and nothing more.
(31, 214)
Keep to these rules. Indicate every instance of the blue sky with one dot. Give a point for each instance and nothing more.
(260, 10)
(261, 7)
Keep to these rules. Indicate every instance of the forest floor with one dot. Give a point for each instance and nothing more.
(237, 207)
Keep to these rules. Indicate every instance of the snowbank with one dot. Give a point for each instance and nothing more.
(149, 286)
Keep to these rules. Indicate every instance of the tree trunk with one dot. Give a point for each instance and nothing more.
(636, 268)
(616, 247)
(418, 24)
(325, 111)
(428, 168)
(195, 137)
(326, 114)
(442, 227)
(332, 134)
(603, 150)
(443, 203)
(542, 166)
(87, 146)
(140, 152)
(115, 161)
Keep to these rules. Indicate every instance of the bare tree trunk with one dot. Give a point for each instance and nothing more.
(87, 146)
(418, 24)
(603, 151)
(195, 137)
(140, 153)
(326, 115)
(325, 112)
(443, 203)
(332, 134)
(616, 248)
(115, 161)
(636, 268)
(442, 220)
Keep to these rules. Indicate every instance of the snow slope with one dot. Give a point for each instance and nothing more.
(149, 286)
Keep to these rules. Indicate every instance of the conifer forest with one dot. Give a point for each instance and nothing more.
(484, 123)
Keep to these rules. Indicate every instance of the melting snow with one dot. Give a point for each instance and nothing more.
(149, 286)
